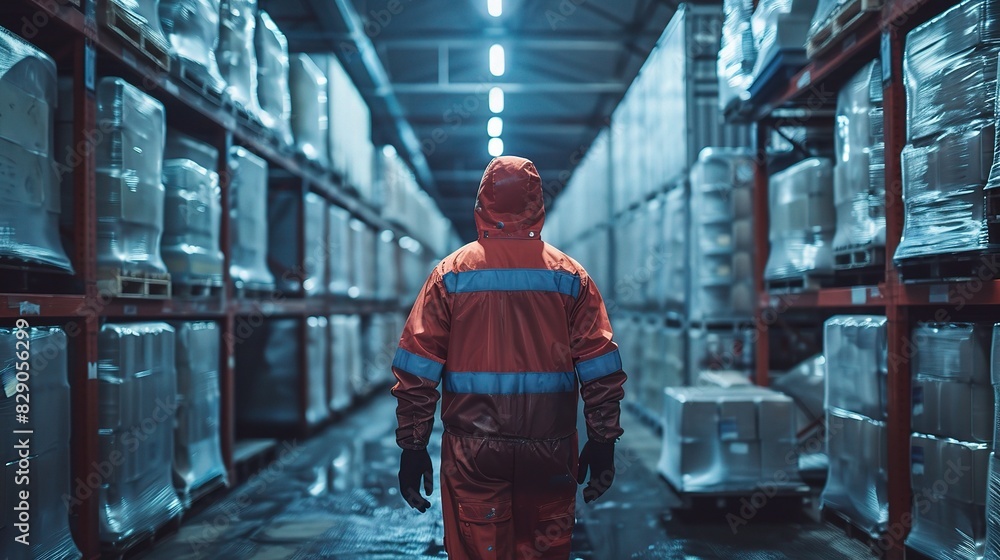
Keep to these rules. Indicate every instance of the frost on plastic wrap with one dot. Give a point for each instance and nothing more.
(943, 193)
(310, 108)
(317, 354)
(856, 363)
(949, 525)
(731, 439)
(780, 25)
(285, 244)
(345, 360)
(859, 171)
(236, 55)
(857, 481)
(197, 444)
(130, 192)
(721, 267)
(802, 220)
(340, 247)
(268, 366)
(192, 29)
(248, 220)
(48, 388)
(191, 225)
(137, 391)
(272, 78)
(737, 54)
(950, 69)
(951, 393)
(29, 186)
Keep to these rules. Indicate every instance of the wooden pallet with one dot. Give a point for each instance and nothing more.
(867, 276)
(859, 257)
(136, 33)
(852, 530)
(950, 267)
(204, 289)
(211, 486)
(801, 283)
(844, 19)
(193, 77)
(253, 291)
(119, 284)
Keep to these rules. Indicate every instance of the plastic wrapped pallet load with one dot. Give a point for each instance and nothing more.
(197, 442)
(46, 381)
(248, 221)
(29, 191)
(733, 439)
(192, 29)
(780, 29)
(310, 108)
(859, 173)
(272, 78)
(856, 362)
(363, 253)
(388, 267)
(992, 548)
(340, 247)
(318, 356)
(268, 367)
(140, 16)
(130, 192)
(137, 386)
(343, 359)
(737, 54)
(802, 223)
(236, 55)
(193, 213)
(675, 247)
(297, 230)
(721, 267)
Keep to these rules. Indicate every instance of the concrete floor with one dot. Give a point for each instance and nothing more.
(335, 497)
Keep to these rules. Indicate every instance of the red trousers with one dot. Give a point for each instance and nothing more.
(505, 499)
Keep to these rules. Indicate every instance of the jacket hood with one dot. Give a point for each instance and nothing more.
(510, 203)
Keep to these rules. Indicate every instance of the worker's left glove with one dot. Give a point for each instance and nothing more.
(415, 464)
(600, 458)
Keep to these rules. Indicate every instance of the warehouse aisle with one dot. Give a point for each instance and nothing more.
(334, 497)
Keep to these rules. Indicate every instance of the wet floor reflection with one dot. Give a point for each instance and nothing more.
(335, 497)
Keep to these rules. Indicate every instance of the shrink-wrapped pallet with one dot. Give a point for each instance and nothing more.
(387, 279)
(413, 268)
(197, 442)
(363, 251)
(728, 439)
(44, 386)
(857, 481)
(141, 15)
(318, 356)
(856, 363)
(130, 192)
(627, 334)
(943, 193)
(859, 172)
(737, 53)
(192, 30)
(802, 221)
(272, 78)
(248, 221)
(191, 223)
(137, 394)
(675, 247)
(298, 228)
(824, 11)
(721, 266)
(29, 186)
(806, 384)
(779, 27)
(345, 360)
(351, 151)
(378, 344)
(949, 480)
(719, 349)
(268, 369)
(951, 393)
(340, 247)
(310, 108)
(236, 54)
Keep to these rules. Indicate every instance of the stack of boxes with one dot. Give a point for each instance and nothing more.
(856, 369)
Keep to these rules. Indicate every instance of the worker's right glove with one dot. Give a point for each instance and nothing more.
(413, 465)
(600, 458)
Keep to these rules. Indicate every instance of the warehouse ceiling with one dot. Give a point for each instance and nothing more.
(425, 68)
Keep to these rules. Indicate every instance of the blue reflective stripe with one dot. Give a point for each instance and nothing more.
(417, 365)
(511, 280)
(484, 383)
(598, 367)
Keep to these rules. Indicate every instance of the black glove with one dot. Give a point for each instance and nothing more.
(600, 458)
(412, 465)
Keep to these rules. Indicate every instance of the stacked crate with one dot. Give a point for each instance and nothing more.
(952, 422)
(856, 369)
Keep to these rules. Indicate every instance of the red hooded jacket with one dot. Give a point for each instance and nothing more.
(512, 327)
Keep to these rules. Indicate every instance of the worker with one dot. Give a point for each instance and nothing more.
(513, 328)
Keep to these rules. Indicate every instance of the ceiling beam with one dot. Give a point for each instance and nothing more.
(477, 127)
(474, 175)
(475, 88)
(432, 39)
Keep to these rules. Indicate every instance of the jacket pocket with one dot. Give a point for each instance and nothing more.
(554, 531)
(486, 528)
